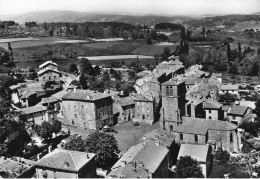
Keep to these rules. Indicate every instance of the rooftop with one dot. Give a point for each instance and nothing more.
(50, 99)
(173, 82)
(198, 152)
(139, 97)
(32, 109)
(27, 93)
(229, 87)
(48, 63)
(125, 101)
(210, 104)
(238, 110)
(47, 69)
(85, 95)
(65, 160)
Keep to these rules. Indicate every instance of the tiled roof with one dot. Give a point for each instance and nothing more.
(47, 63)
(85, 95)
(139, 97)
(65, 160)
(229, 87)
(47, 69)
(125, 101)
(200, 126)
(197, 152)
(60, 94)
(32, 109)
(173, 82)
(250, 104)
(50, 99)
(27, 93)
(238, 110)
(210, 104)
(225, 107)
(146, 152)
(194, 101)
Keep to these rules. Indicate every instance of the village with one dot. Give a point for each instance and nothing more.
(96, 95)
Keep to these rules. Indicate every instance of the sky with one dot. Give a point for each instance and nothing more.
(169, 7)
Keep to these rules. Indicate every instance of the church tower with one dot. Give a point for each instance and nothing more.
(173, 104)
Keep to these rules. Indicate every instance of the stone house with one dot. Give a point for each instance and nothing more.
(201, 153)
(36, 114)
(62, 163)
(239, 114)
(126, 109)
(194, 108)
(28, 98)
(144, 108)
(144, 160)
(49, 74)
(213, 110)
(87, 109)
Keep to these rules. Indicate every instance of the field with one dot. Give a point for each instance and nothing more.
(152, 50)
(23, 51)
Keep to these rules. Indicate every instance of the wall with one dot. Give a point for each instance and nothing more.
(49, 76)
(88, 170)
(38, 117)
(190, 138)
(212, 113)
(51, 66)
(163, 169)
(126, 113)
(235, 119)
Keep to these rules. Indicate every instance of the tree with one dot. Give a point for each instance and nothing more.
(254, 69)
(106, 77)
(149, 41)
(105, 146)
(76, 144)
(46, 130)
(188, 168)
(229, 55)
(233, 69)
(96, 70)
(221, 67)
(75, 82)
(239, 51)
(56, 126)
(73, 68)
(85, 67)
(203, 33)
(222, 156)
(257, 104)
(156, 58)
(166, 54)
(32, 73)
(86, 80)
(129, 89)
(131, 75)
(118, 75)
(51, 32)
(45, 27)
(97, 85)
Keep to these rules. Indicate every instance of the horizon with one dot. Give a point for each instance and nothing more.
(134, 7)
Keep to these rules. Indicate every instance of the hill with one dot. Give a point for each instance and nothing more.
(74, 16)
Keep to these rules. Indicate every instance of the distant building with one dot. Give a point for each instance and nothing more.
(144, 160)
(49, 64)
(194, 108)
(229, 88)
(144, 108)
(87, 109)
(49, 72)
(126, 109)
(201, 153)
(62, 163)
(239, 114)
(28, 98)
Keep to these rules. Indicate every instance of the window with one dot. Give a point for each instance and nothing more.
(49, 78)
(196, 138)
(148, 116)
(209, 111)
(147, 103)
(169, 91)
(148, 109)
(210, 117)
(188, 87)
(181, 136)
(143, 117)
(68, 106)
(171, 128)
(82, 106)
(231, 137)
(43, 78)
(234, 117)
(61, 112)
(75, 115)
(72, 122)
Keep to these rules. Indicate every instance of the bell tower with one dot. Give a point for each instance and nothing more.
(173, 104)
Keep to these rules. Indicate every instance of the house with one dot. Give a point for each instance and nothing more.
(213, 110)
(62, 163)
(239, 114)
(87, 109)
(144, 160)
(144, 108)
(28, 98)
(229, 88)
(201, 153)
(51, 102)
(226, 109)
(194, 108)
(126, 109)
(48, 64)
(49, 74)
(36, 114)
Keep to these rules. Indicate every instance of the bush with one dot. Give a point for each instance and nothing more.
(222, 156)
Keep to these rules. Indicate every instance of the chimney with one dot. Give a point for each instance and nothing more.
(87, 156)
(75, 89)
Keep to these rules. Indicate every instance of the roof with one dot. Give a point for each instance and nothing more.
(229, 87)
(238, 110)
(139, 97)
(85, 95)
(210, 104)
(146, 152)
(195, 101)
(200, 126)
(46, 70)
(48, 63)
(225, 107)
(198, 152)
(50, 99)
(250, 104)
(27, 93)
(125, 101)
(173, 82)
(65, 159)
(60, 94)
(32, 109)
